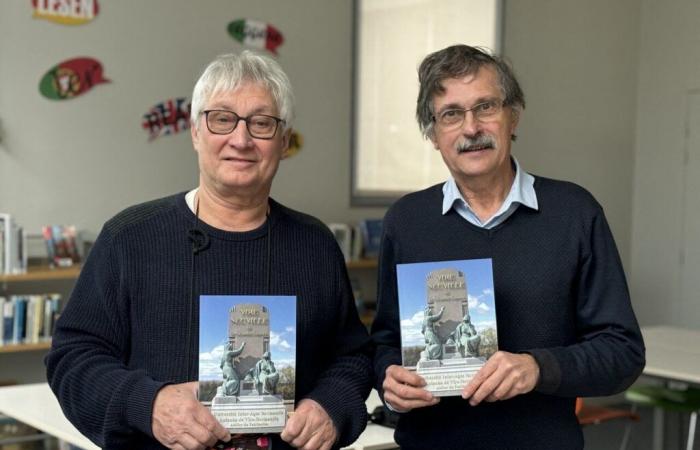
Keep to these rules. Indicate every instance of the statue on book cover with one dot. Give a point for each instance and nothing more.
(433, 346)
(232, 382)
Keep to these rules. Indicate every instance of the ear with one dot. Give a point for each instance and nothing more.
(285, 142)
(514, 122)
(196, 136)
(433, 139)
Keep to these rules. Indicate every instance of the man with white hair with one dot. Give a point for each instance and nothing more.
(124, 353)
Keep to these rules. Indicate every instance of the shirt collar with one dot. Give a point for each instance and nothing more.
(521, 191)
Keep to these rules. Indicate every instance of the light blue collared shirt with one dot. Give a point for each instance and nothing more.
(522, 192)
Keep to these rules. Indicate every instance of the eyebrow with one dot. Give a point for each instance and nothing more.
(455, 105)
(265, 109)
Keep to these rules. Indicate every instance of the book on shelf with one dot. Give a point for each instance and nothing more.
(371, 232)
(247, 363)
(28, 319)
(343, 236)
(447, 313)
(13, 245)
(61, 244)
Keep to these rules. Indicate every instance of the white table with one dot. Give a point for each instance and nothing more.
(672, 354)
(35, 405)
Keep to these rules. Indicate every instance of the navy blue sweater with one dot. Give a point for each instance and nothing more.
(560, 295)
(124, 332)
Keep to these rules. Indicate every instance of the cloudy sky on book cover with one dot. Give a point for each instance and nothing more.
(213, 333)
(412, 291)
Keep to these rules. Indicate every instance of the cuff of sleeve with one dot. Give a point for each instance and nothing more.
(139, 407)
(347, 411)
(550, 372)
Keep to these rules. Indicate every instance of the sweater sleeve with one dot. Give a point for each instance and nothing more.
(86, 367)
(609, 353)
(343, 387)
(386, 333)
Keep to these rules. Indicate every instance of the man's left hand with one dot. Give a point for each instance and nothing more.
(310, 427)
(504, 375)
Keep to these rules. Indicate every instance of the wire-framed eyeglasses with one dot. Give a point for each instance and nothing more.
(259, 126)
(483, 112)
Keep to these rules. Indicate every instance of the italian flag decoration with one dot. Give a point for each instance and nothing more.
(256, 34)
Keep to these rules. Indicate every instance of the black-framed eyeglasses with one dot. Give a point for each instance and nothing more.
(259, 126)
(483, 112)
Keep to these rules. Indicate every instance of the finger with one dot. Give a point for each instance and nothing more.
(404, 405)
(205, 418)
(293, 427)
(480, 377)
(401, 375)
(190, 443)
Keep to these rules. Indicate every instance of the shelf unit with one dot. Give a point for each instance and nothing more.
(35, 274)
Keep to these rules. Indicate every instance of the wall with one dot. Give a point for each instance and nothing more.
(577, 62)
(669, 67)
(80, 161)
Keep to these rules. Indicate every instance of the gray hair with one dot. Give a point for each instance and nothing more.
(227, 72)
(455, 62)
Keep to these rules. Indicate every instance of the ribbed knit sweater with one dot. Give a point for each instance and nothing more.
(131, 326)
(560, 295)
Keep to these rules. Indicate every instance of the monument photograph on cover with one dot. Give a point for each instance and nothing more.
(247, 351)
(448, 321)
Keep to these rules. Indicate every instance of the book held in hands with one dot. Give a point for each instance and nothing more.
(448, 321)
(247, 361)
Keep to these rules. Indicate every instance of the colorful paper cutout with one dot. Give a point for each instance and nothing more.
(71, 78)
(296, 141)
(256, 34)
(167, 117)
(66, 12)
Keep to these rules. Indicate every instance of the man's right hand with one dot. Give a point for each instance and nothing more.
(181, 422)
(403, 390)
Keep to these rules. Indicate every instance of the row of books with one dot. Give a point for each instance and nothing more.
(359, 241)
(13, 245)
(28, 319)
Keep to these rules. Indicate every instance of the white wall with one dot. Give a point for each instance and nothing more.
(669, 66)
(80, 161)
(577, 63)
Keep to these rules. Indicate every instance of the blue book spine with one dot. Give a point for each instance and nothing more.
(20, 320)
(8, 319)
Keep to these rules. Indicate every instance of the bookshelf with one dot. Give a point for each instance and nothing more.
(22, 363)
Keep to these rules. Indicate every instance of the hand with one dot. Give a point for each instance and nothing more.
(310, 427)
(181, 422)
(504, 375)
(403, 390)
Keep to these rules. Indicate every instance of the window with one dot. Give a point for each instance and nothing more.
(390, 157)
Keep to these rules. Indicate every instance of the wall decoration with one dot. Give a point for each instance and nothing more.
(71, 78)
(296, 141)
(256, 34)
(66, 12)
(167, 117)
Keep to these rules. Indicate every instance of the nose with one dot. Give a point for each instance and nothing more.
(239, 137)
(470, 126)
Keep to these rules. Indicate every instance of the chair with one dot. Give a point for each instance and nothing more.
(595, 415)
(683, 401)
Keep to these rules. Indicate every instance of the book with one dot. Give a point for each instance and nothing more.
(371, 230)
(61, 244)
(14, 253)
(247, 362)
(448, 321)
(343, 235)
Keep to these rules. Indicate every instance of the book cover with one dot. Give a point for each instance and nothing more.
(448, 321)
(8, 318)
(371, 230)
(247, 362)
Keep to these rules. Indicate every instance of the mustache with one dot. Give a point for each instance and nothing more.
(481, 141)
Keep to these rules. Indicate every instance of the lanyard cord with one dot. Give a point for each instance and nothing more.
(200, 242)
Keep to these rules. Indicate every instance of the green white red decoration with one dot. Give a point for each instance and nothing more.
(71, 78)
(256, 34)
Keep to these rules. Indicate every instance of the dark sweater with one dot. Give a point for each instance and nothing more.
(560, 294)
(124, 332)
